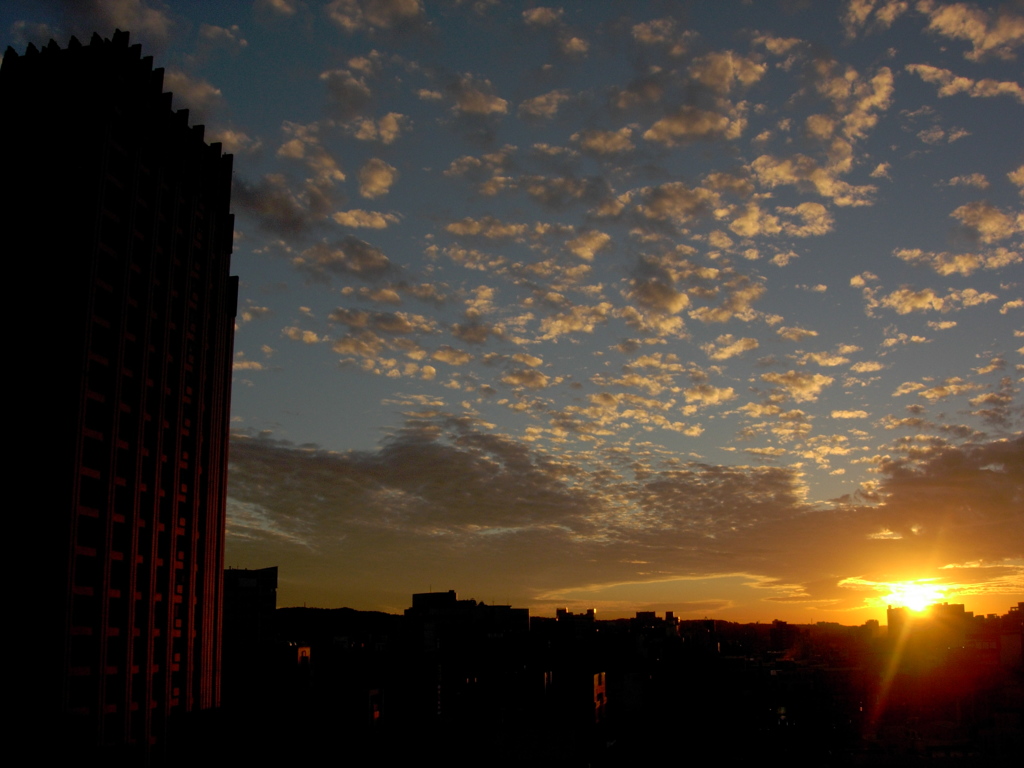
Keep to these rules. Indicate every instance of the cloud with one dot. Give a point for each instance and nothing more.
(849, 414)
(721, 70)
(473, 97)
(298, 334)
(950, 84)
(793, 333)
(531, 360)
(355, 15)
(573, 45)
(197, 95)
(587, 244)
(857, 100)
(560, 191)
(663, 33)
(755, 221)
(866, 366)
(1016, 178)
(487, 226)
(348, 256)
(448, 488)
(996, 33)
(390, 323)
(282, 7)
(147, 24)
(234, 142)
(870, 13)
(902, 338)
(24, 33)
(725, 347)
(544, 106)
(824, 359)
(365, 344)
(780, 46)
(801, 387)
(241, 364)
(959, 263)
(951, 386)
(275, 206)
(994, 364)
(936, 135)
(676, 202)
(820, 126)
(579, 319)
(706, 394)
(229, 38)
(471, 258)
(988, 223)
(816, 220)
(386, 130)
(305, 147)
(376, 178)
(977, 180)
(804, 172)
(688, 124)
(641, 92)
(659, 294)
(542, 16)
(368, 219)
(252, 312)
(450, 355)
(348, 94)
(406, 470)
(605, 142)
(489, 171)
(528, 378)
(907, 300)
(783, 258)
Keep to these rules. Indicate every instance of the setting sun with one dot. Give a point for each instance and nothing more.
(916, 595)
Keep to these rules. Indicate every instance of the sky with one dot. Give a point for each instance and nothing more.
(712, 307)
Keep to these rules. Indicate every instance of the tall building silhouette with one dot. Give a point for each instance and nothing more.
(119, 222)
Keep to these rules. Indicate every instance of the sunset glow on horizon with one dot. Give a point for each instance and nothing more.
(916, 596)
(715, 308)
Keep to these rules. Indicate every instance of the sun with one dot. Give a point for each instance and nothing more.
(915, 595)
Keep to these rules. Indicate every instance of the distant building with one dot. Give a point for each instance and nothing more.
(895, 620)
(250, 601)
(565, 615)
(467, 654)
(117, 215)
(441, 616)
(250, 605)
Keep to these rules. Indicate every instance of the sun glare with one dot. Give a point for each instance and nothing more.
(914, 595)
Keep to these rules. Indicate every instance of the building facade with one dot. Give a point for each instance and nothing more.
(122, 219)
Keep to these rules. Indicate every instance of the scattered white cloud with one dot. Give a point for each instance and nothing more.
(987, 222)
(355, 15)
(950, 84)
(990, 33)
(801, 387)
(376, 178)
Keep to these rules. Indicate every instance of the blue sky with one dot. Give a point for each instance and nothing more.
(709, 307)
